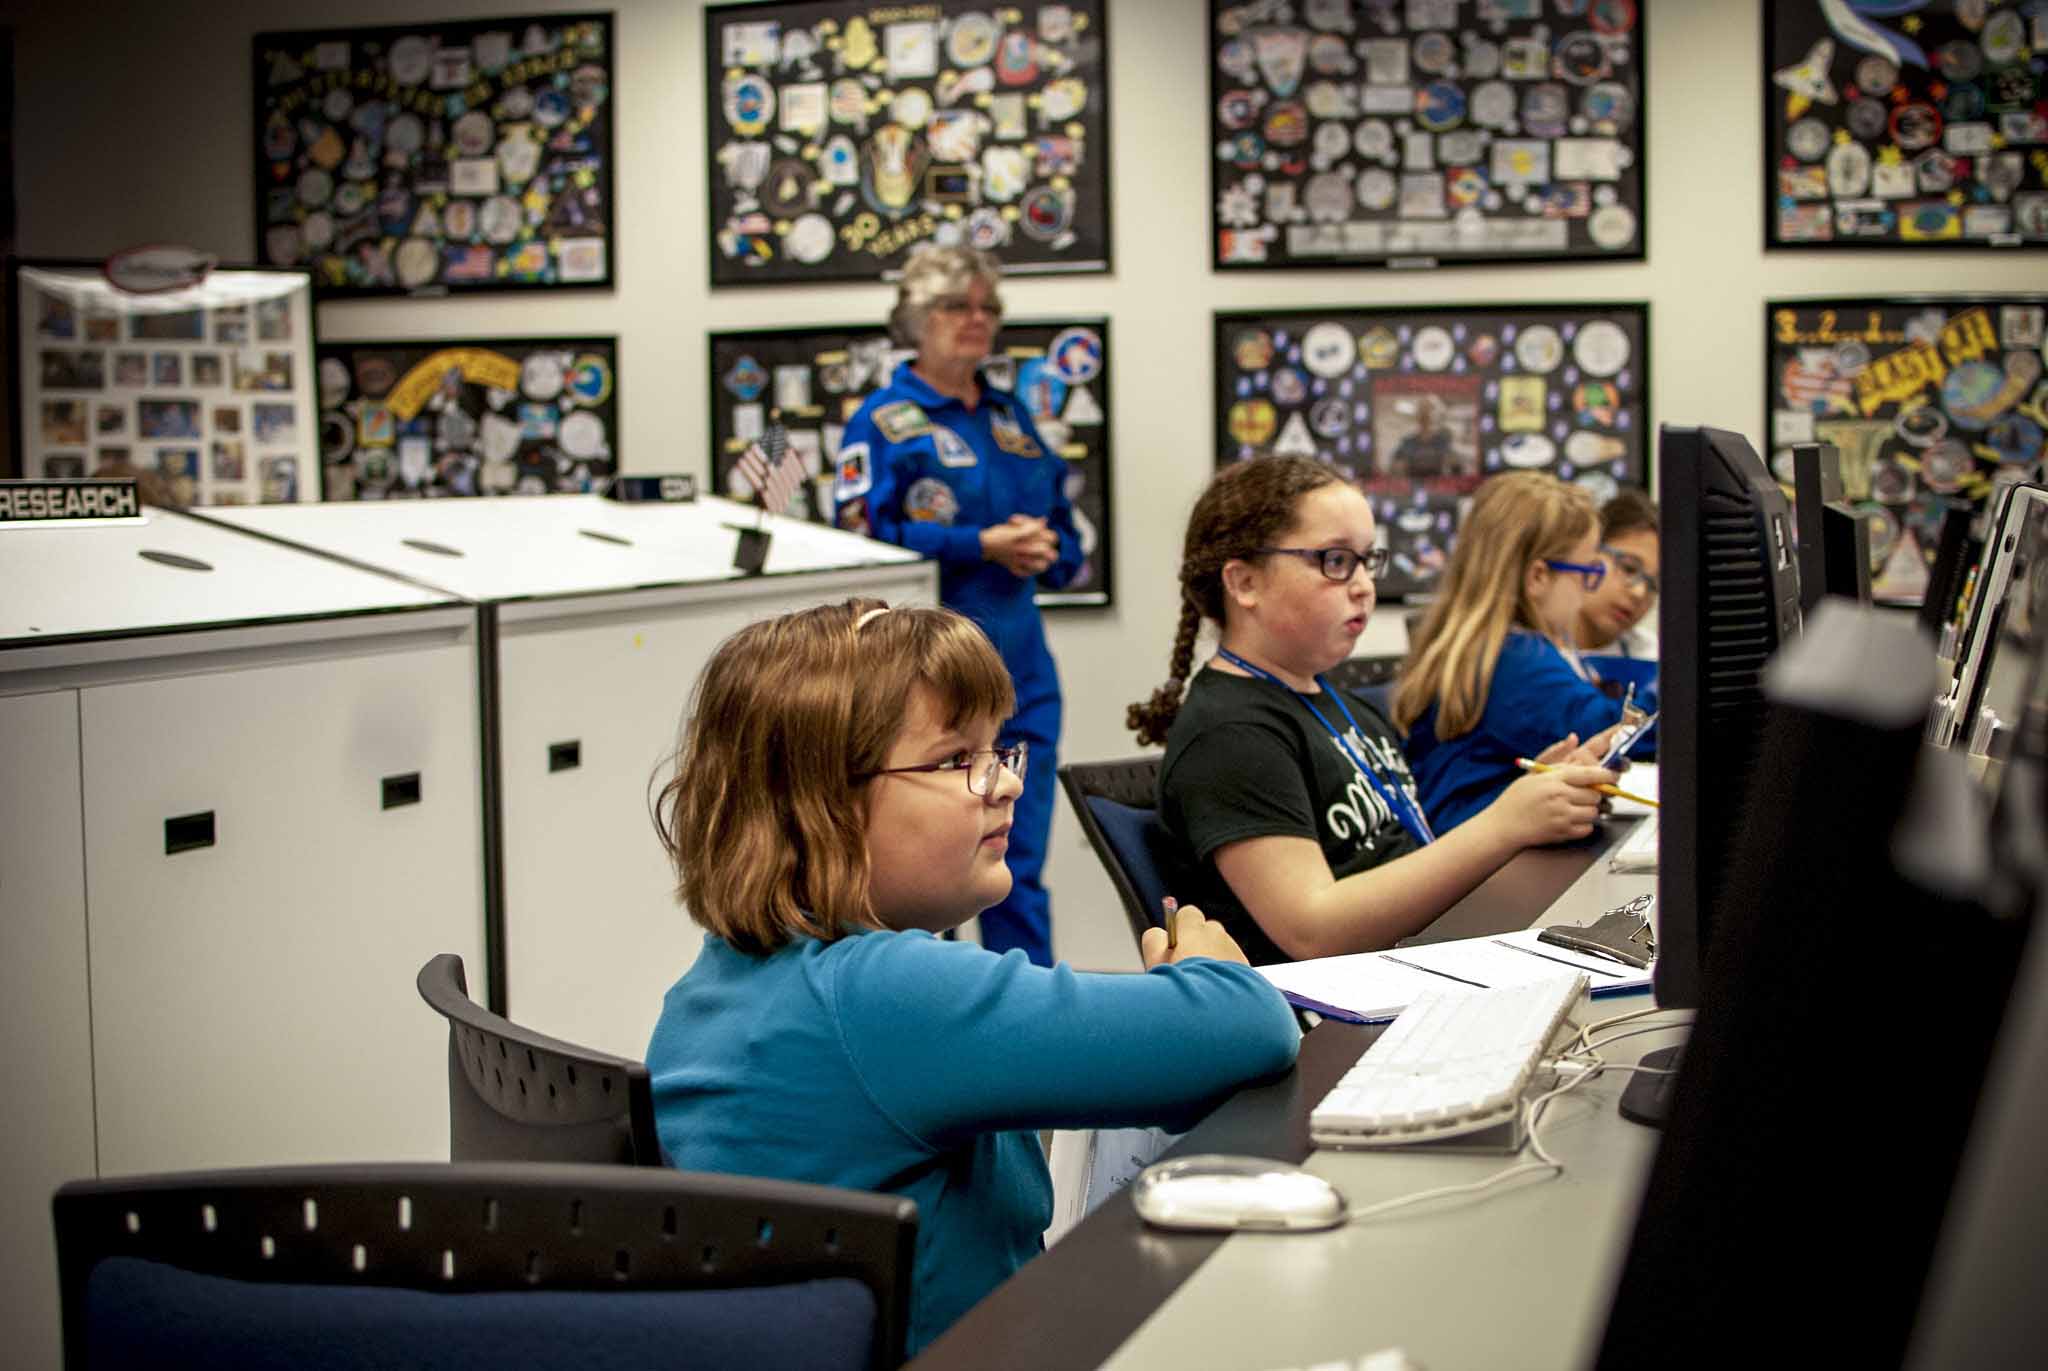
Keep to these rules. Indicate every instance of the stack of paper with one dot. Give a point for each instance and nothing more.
(1372, 987)
(1639, 852)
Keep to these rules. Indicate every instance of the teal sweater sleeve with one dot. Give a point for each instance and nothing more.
(950, 1041)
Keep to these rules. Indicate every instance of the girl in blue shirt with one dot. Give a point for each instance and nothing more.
(838, 800)
(1492, 674)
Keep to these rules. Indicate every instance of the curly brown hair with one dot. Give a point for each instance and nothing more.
(1246, 507)
(761, 816)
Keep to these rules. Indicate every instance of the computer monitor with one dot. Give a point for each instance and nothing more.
(1995, 650)
(1955, 552)
(1730, 598)
(1831, 1075)
(1834, 542)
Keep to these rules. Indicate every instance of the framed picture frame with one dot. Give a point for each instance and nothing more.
(812, 380)
(208, 385)
(487, 416)
(436, 158)
(1419, 404)
(1933, 401)
(839, 137)
(1904, 131)
(1361, 133)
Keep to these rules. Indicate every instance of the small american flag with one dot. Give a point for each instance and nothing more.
(775, 472)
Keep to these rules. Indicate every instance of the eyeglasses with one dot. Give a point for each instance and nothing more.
(959, 306)
(981, 774)
(1337, 563)
(1632, 570)
(1591, 573)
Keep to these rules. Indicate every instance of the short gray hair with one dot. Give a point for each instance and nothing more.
(931, 274)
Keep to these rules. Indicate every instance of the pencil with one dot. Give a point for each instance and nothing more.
(1170, 905)
(1614, 790)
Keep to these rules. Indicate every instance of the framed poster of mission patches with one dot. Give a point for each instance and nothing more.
(811, 380)
(1419, 133)
(438, 157)
(1896, 124)
(842, 135)
(1933, 402)
(496, 416)
(1419, 405)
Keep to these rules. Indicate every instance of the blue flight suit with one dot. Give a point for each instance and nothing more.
(920, 469)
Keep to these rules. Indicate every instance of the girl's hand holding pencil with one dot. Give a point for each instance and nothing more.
(1187, 934)
(1603, 788)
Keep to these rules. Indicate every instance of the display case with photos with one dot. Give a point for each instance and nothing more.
(1419, 405)
(1425, 133)
(810, 381)
(208, 386)
(1906, 125)
(1932, 402)
(492, 416)
(440, 156)
(840, 136)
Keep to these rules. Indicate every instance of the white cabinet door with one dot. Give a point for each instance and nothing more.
(45, 1023)
(253, 999)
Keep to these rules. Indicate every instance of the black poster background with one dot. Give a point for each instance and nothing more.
(434, 417)
(1909, 131)
(1559, 388)
(1932, 402)
(990, 114)
(1425, 132)
(443, 156)
(795, 365)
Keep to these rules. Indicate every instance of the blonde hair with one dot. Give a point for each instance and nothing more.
(1516, 519)
(1247, 506)
(931, 274)
(761, 815)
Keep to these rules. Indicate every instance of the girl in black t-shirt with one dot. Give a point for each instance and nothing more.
(1290, 803)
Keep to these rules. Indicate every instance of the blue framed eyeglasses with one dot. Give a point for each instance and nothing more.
(1589, 573)
(1632, 570)
(1337, 563)
(981, 767)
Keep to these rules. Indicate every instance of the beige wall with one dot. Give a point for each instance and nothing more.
(138, 130)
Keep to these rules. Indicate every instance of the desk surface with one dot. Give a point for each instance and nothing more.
(1541, 1255)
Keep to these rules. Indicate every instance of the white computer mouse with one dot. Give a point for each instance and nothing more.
(1216, 1193)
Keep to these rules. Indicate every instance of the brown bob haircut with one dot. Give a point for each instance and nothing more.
(761, 816)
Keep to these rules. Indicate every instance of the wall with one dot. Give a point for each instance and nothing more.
(135, 126)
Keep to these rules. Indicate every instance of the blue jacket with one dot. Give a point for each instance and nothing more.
(901, 1063)
(918, 469)
(1535, 699)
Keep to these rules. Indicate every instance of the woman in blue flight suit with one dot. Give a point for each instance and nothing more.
(945, 464)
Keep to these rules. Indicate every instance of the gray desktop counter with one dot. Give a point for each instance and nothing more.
(1518, 1278)
(595, 619)
(209, 916)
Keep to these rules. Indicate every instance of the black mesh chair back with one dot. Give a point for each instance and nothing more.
(519, 1096)
(1115, 804)
(439, 1265)
(1370, 678)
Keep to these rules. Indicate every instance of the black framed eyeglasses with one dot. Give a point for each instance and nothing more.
(1590, 573)
(981, 767)
(1632, 570)
(1337, 563)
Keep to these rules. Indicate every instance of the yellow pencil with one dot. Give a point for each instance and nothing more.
(1170, 906)
(1614, 790)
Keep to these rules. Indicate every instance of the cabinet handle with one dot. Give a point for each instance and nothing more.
(565, 756)
(188, 831)
(402, 790)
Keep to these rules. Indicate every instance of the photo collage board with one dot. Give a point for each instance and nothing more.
(1425, 132)
(812, 380)
(1933, 402)
(497, 416)
(1419, 405)
(438, 157)
(840, 136)
(208, 386)
(1904, 125)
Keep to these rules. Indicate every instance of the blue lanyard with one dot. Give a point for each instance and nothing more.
(1406, 810)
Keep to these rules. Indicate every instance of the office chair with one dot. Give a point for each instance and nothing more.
(518, 1096)
(1370, 678)
(1114, 801)
(469, 1265)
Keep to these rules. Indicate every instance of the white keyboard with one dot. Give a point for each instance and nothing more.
(1454, 1062)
